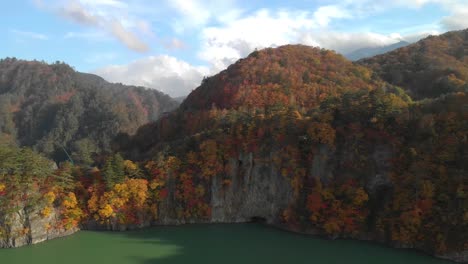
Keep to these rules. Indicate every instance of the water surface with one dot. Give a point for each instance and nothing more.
(236, 244)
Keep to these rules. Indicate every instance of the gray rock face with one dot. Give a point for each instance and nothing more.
(256, 190)
(26, 228)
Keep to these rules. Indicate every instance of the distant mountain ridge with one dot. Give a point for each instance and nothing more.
(429, 68)
(53, 108)
(372, 51)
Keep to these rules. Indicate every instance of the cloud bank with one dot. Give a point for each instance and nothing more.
(221, 32)
(164, 73)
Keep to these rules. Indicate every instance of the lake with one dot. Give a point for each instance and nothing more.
(236, 244)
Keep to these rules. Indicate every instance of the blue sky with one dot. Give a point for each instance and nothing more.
(171, 44)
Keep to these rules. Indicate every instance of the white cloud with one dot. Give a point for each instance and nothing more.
(236, 36)
(127, 37)
(325, 14)
(194, 12)
(164, 73)
(457, 20)
(105, 15)
(76, 12)
(227, 32)
(224, 44)
(348, 42)
(29, 34)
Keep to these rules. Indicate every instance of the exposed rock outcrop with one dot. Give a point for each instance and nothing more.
(28, 227)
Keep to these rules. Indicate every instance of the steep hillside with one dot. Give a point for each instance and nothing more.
(266, 82)
(289, 75)
(53, 108)
(429, 68)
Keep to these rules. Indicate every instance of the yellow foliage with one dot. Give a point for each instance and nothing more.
(173, 163)
(332, 227)
(121, 188)
(70, 201)
(2, 187)
(49, 197)
(93, 204)
(106, 211)
(360, 197)
(46, 211)
(138, 189)
(156, 183)
(130, 165)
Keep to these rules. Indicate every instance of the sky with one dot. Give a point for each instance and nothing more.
(170, 45)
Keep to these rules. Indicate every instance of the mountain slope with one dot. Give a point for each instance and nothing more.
(431, 67)
(311, 142)
(266, 82)
(53, 108)
(369, 52)
(288, 75)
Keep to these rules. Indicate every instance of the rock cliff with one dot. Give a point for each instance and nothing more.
(26, 227)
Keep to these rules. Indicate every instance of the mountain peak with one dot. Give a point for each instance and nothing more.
(291, 74)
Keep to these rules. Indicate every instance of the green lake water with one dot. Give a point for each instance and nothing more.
(236, 244)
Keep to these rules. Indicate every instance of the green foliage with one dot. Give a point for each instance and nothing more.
(114, 170)
(83, 151)
(51, 107)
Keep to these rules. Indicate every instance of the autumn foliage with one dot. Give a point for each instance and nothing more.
(360, 158)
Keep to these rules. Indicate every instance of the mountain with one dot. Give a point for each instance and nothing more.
(293, 74)
(296, 137)
(267, 81)
(54, 109)
(309, 141)
(430, 67)
(372, 51)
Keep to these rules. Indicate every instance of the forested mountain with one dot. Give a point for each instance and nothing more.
(53, 108)
(266, 82)
(369, 52)
(289, 75)
(429, 68)
(356, 157)
(297, 136)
